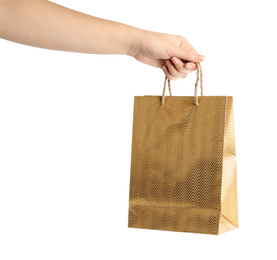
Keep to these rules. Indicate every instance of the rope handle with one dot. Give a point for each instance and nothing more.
(199, 74)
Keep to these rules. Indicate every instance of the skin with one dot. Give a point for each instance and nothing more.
(44, 24)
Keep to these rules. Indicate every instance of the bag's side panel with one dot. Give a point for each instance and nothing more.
(229, 203)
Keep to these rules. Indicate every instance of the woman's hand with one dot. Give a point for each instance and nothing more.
(44, 24)
(172, 53)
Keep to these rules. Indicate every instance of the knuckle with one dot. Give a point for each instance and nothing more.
(171, 77)
(183, 70)
(181, 38)
(179, 66)
(172, 68)
(169, 67)
(190, 52)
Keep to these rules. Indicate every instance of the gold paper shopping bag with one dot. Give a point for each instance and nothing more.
(183, 163)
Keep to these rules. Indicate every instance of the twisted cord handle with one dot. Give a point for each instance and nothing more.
(199, 75)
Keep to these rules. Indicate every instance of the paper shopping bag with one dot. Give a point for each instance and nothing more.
(183, 163)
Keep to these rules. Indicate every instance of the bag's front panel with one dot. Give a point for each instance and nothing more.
(185, 219)
(176, 167)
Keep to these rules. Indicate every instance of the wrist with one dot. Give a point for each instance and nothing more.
(134, 41)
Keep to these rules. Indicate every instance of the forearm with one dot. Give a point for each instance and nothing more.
(44, 24)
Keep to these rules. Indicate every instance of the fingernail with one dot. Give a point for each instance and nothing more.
(189, 66)
(200, 57)
(175, 60)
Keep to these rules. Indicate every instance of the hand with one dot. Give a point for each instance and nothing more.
(172, 53)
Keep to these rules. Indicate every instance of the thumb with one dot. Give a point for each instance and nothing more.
(189, 54)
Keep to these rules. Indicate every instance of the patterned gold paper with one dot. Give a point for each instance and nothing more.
(183, 165)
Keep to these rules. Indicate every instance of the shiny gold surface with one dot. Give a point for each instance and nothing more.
(183, 165)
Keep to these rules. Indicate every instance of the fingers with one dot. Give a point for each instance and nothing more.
(190, 54)
(186, 52)
(190, 66)
(175, 68)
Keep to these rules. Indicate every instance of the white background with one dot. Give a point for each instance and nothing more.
(66, 126)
